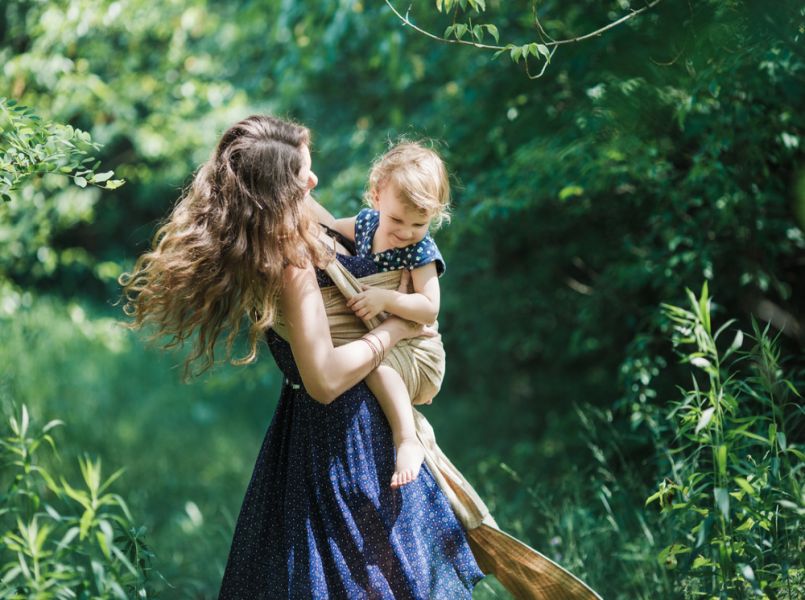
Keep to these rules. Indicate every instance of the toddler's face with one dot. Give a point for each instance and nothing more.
(401, 223)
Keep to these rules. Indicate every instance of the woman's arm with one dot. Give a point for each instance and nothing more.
(345, 227)
(422, 306)
(327, 371)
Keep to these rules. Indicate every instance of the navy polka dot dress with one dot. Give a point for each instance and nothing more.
(409, 257)
(319, 519)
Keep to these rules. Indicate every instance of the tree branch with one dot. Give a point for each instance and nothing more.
(597, 32)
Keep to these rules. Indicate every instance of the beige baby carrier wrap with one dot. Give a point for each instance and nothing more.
(522, 570)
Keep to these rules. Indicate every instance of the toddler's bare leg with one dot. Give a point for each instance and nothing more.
(389, 388)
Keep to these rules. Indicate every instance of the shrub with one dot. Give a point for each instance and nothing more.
(61, 541)
(732, 498)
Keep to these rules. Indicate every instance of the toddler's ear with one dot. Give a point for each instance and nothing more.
(375, 199)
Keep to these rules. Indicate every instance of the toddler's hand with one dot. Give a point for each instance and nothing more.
(369, 303)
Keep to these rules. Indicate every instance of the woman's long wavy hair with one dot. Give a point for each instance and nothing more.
(219, 255)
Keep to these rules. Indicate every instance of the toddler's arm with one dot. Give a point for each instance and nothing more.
(422, 306)
(345, 227)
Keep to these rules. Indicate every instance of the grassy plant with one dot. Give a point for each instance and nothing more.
(733, 495)
(61, 541)
(188, 450)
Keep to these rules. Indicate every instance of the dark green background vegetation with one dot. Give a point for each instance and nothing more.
(662, 154)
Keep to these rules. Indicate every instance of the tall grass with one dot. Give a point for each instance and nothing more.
(733, 496)
(187, 450)
(61, 540)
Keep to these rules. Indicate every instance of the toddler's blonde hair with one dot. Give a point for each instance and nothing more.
(420, 176)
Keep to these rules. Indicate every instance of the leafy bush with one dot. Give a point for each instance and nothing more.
(733, 498)
(61, 541)
(188, 450)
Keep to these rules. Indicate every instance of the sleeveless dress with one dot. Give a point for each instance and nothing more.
(319, 519)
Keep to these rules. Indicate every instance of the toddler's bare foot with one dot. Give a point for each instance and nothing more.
(410, 455)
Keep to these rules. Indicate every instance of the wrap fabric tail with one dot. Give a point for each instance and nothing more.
(523, 571)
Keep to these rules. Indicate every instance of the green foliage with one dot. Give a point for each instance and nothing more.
(462, 12)
(29, 146)
(61, 541)
(733, 500)
(644, 161)
(188, 450)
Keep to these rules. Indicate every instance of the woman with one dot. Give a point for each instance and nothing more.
(319, 519)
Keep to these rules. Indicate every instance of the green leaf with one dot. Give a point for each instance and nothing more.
(543, 49)
(745, 486)
(797, 453)
(113, 184)
(701, 562)
(86, 522)
(25, 421)
(516, 53)
(738, 341)
(80, 181)
(461, 29)
(102, 543)
(667, 556)
(51, 424)
(700, 362)
(569, 191)
(101, 177)
(749, 575)
(721, 459)
(478, 32)
(704, 419)
(722, 499)
(704, 308)
(753, 436)
(781, 441)
(493, 31)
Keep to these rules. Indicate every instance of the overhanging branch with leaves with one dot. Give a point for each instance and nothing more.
(30, 146)
(542, 50)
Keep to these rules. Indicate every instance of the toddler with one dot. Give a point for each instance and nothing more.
(409, 192)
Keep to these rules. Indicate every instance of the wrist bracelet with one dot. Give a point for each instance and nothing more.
(382, 350)
(376, 357)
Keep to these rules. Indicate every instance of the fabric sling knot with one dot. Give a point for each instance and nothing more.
(526, 573)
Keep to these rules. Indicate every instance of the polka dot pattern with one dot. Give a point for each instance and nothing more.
(319, 519)
(408, 257)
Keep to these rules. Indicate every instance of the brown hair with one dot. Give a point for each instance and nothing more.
(220, 253)
(420, 176)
